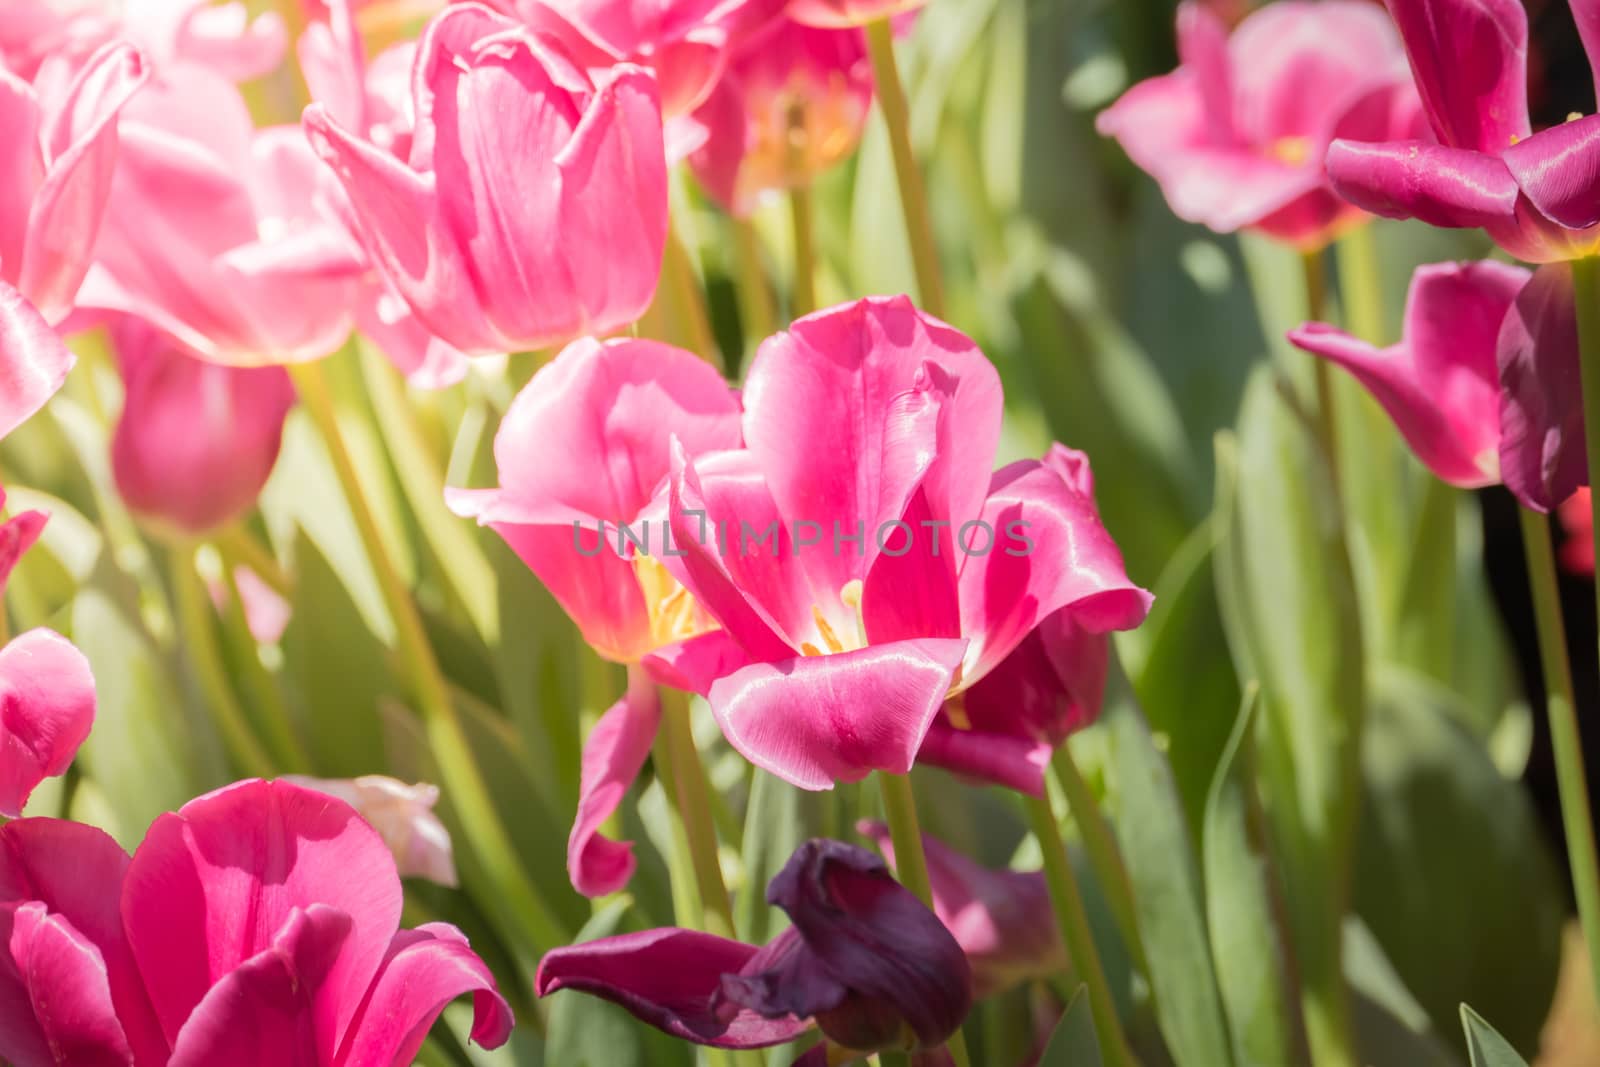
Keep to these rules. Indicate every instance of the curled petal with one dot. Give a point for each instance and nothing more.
(47, 706)
(1442, 186)
(17, 535)
(33, 361)
(1559, 171)
(612, 758)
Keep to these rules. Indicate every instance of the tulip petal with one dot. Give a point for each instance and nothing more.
(261, 1012)
(213, 884)
(1042, 548)
(817, 720)
(1203, 50)
(668, 978)
(1559, 171)
(46, 709)
(1542, 458)
(692, 665)
(1586, 13)
(1450, 187)
(997, 758)
(425, 970)
(612, 758)
(33, 361)
(1470, 59)
(67, 1016)
(22, 168)
(17, 535)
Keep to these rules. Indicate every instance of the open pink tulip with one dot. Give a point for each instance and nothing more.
(865, 961)
(1484, 385)
(1536, 193)
(836, 14)
(46, 709)
(615, 408)
(1236, 136)
(792, 103)
(1003, 920)
(196, 441)
(256, 927)
(860, 554)
(215, 232)
(532, 207)
(33, 361)
(56, 173)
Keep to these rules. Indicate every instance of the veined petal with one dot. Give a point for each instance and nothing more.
(1542, 458)
(613, 755)
(1442, 186)
(817, 720)
(1559, 171)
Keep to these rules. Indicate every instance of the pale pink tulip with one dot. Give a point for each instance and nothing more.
(403, 815)
(223, 37)
(532, 205)
(1236, 136)
(614, 410)
(217, 233)
(792, 103)
(256, 927)
(835, 14)
(196, 441)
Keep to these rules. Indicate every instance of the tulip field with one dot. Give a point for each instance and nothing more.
(750, 533)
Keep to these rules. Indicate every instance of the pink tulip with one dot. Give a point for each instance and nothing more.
(1236, 136)
(196, 441)
(863, 560)
(403, 815)
(46, 709)
(532, 207)
(33, 361)
(792, 103)
(61, 150)
(1577, 525)
(1484, 384)
(1536, 193)
(837, 14)
(216, 233)
(17, 535)
(1003, 920)
(613, 409)
(256, 927)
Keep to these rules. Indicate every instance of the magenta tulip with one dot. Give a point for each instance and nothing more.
(1484, 385)
(532, 207)
(1003, 920)
(1536, 193)
(614, 408)
(862, 558)
(196, 441)
(865, 961)
(47, 706)
(216, 233)
(256, 927)
(56, 173)
(792, 104)
(17, 535)
(1236, 136)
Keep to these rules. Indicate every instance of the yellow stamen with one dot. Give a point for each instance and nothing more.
(828, 636)
(1293, 151)
(955, 709)
(675, 615)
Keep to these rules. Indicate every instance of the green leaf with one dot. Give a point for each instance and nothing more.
(1245, 908)
(1073, 1042)
(1166, 885)
(772, 831)
(1488, 1048)
(1454, 876)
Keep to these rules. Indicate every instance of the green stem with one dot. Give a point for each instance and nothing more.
(756, 311)
(194, 612)
(691, 800)
(272, 714)
(1571, 779)
(1317, 310)
(911, 864)
(1361, 285)
(687, 300)
(484, 833)
(913, 195)
(1104, 856)
(239, 549)
(1075, 933)
(803, 300)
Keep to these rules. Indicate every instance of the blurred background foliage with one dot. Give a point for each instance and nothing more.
(1153, 345)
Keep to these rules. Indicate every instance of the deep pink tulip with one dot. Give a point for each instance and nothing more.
(33, 361)
(1484, 385)
(61, 149)
(196, 441)
(256, 927)
(216, 233)
(865, 961)
(1577, 525)
(47, 706)
(1003, 920)
(1536, 193)
(1236, 136)
(792, 103)
(614, 409)
(533, 205)
(836, 14)
(862, 556)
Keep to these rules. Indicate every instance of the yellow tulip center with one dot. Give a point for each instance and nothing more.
(831, 643)
(675, 615)
(1292, 151)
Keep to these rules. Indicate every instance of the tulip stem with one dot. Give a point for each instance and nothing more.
(911, 863)
(1075, 932)
(685, 778)
(464, 788)
(272, 714)
(1361, 285)
(1572, 782)
(1104, 857)
(194, 613)
(687, 300)
(239, 549)
(803, 300)
(913, 195)
(756, 311)
(1317, 311)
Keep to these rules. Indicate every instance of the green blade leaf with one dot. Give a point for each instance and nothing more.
(1488, 1048)
(1073, 1042)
